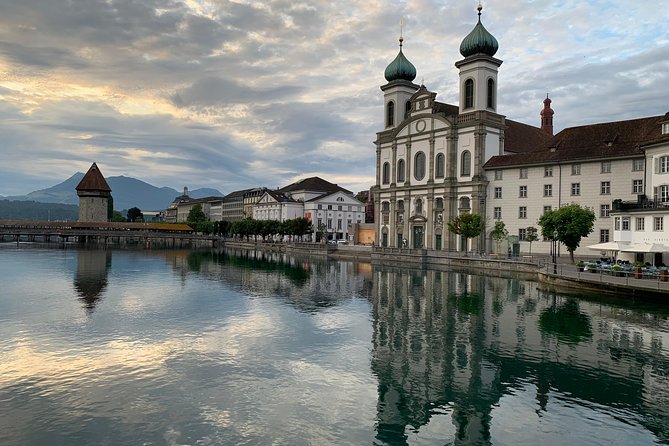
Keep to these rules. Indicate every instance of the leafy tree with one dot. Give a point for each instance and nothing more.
(117, 217)
(321, 233)
(532, 235)
(135, 214)
(499, 233)
(568, 225)
(196, 214)
(466, 225)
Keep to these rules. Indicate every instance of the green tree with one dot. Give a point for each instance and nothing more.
(196, 214)
(321, 233)
(532, 235)
(466, 225)
(135, 214)
(117, 217)
(499, 233)
(568, 225)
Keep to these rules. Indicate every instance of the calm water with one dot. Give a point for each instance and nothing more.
(175, 348)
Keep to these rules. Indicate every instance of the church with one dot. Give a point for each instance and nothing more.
(430, 155)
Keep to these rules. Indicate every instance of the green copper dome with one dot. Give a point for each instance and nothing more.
(400, 68)
(479, 41)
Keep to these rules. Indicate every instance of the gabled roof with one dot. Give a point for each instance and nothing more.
(279, 196)
(93, 181)
(522, 138)
(327, 194)
(313, 184)
(236, 195)
(594, 141)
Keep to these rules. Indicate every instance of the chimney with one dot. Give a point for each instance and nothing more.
(547, 116)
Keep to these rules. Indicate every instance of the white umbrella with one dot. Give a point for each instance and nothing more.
(646, 248)
(608, 246)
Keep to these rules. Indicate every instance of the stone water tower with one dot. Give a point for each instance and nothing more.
(94, 196)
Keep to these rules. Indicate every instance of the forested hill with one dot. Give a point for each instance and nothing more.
(32, 210)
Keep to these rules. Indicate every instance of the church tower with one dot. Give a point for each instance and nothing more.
(399, 89)
(94, 196)
(478, 70)
(547, 116)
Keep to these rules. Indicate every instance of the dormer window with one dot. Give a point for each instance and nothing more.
(665, 128)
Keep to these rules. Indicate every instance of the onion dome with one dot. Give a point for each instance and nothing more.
(479, 41)
(400, 68)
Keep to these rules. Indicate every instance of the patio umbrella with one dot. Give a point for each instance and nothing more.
(646, 248)
(608, 246)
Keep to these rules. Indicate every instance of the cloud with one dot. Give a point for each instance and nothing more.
(218, 88)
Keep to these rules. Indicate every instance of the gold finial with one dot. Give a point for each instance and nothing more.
(479, 8)
(401, 31)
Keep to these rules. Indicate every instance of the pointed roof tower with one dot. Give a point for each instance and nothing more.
(93, 181)
(547, 116)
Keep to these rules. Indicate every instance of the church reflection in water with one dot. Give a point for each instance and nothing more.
(450, 346)
(90, 279)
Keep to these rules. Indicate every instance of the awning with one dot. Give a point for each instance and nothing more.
(609, 246)
(646, 247)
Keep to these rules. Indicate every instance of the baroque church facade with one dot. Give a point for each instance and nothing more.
(430, 155)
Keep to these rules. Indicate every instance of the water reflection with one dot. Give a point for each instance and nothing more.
(90, 279)
(451, 350)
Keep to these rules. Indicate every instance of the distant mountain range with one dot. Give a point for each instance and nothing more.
(127, 193)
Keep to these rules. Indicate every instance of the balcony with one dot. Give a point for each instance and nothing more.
(641, 204)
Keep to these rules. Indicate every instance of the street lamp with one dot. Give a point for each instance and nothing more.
(554, 249)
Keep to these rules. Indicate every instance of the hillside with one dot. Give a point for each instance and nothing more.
(127, 192)
(30, 210)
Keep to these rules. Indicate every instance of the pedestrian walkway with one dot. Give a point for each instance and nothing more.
(570, 272)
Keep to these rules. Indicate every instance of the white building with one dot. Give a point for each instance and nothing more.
(430, 156)
(316, 200)
(337, 211)
(641, 227)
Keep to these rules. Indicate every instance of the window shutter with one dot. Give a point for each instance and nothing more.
(655, 193)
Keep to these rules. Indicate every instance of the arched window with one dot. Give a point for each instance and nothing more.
(400, 205)
(419, 166)
(385, 206)
(439, 167)
(464, 203)
(469, 93)
(419, 206)
(491, 93)
(390, 114)
(407, 109)
(439, 203)
(400, 171)
(466, 164)
(386, 173)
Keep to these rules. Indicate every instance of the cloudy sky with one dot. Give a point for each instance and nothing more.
(237, 94)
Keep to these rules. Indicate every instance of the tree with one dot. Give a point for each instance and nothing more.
(135, 214)
(196, 214)
(568, 225)
(499, 233)
(321, 233)
(466, 225)
(117, 216)
(531, 235)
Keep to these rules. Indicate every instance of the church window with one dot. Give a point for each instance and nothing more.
(386, 173)
(390, 114)
(469, 93)
(407, 109)
(400, 171)
(439, 203)
(466, 164)
(385, 206)
(400, 205)
(439, 168)
(419, 206)
(491, 93)
(419, 166)
(464, 203)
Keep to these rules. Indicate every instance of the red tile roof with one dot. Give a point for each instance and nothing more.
(93, 181)
(594, 141)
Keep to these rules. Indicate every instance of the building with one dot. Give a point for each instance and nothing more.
(430, 155)
(315, 199)
(592, 165)
(94, 196)
(251, 197)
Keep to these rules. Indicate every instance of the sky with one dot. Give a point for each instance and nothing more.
(233, 95)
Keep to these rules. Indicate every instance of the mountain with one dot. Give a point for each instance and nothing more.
(127, 192)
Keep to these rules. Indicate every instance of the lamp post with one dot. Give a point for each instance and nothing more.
(554, 249)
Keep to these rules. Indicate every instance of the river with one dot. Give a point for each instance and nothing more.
(161, 347)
